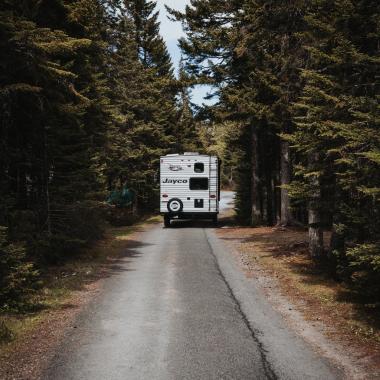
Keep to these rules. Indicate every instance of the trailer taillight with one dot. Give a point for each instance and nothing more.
(213, 196)
(164, 195)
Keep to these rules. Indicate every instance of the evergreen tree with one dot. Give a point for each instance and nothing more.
(45, 159)
(186, 130)
(149, 44)
(298, 80)
(89, 103)
(212, 58)
(339, 109)
(145, 95)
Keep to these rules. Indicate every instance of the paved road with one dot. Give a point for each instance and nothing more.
(177, 307)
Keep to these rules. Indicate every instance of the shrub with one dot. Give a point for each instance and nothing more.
(364, 268)
(6, 334)
(18, 278)
(121, 216)
(73, 228)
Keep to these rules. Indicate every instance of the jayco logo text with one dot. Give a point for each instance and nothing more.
(174, 181)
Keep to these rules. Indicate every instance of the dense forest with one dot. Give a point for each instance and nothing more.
(90, 100)
(297, 118)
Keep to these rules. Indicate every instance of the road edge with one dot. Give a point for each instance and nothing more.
(278, 332)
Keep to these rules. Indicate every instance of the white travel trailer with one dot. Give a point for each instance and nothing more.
(189, 187)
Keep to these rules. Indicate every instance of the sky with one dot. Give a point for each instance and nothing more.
(171, 32)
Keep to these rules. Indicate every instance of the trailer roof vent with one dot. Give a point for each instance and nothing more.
(191, 154)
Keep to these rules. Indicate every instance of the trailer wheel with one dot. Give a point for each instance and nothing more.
(175, 205)
(167, 221)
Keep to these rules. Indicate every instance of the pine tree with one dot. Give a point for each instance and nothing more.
(145, 95)
(250, 52)
(90, 19)
(332, 133)
(297, 79)
(186, 129)
(150, 46)
(212, 35)
(45, 158)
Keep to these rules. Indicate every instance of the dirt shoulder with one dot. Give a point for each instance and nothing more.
(319, 309)
(69, 288)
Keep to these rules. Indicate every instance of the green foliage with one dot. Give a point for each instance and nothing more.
(6, 334)
(17, 276)
(335, 119)
(146, 109)
(89, 103)
(186, 130)
(302, 74)
(364, 268)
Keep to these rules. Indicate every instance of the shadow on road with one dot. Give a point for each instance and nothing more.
(119, 263)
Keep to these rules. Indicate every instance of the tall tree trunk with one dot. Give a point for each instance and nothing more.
(255, 196)
(286, 213)
(277, 193)
(47, 179)
(315, 233)
(269, 195)
(336, 250)
(315, 225)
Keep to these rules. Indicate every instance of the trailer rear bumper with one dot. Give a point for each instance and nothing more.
(169, 216)
(190, 215)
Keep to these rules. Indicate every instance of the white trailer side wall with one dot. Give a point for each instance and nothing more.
(175, 174)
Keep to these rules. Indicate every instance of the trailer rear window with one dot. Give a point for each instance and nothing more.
(199, 167)
(198, 183)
